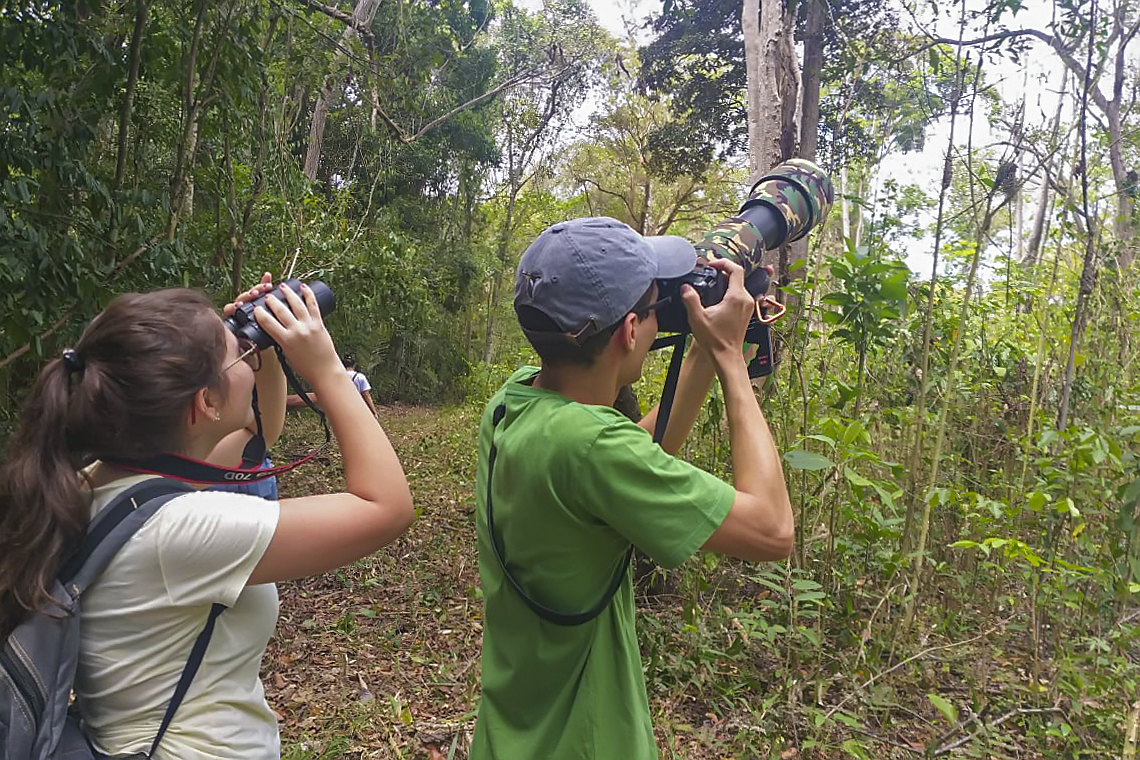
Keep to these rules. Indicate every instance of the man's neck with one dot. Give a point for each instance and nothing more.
(597, 384)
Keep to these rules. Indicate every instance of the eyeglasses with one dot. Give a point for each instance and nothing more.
(643, 313)
(250, 354)
(591, 328)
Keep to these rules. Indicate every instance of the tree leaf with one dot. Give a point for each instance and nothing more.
(949, 711)
(807, 460)
(1132, 493)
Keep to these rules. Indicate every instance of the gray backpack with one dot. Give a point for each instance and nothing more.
(39, 658)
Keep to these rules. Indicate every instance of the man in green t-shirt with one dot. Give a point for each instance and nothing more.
(571, 484)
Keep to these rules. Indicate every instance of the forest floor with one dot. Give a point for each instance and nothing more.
(381, 659)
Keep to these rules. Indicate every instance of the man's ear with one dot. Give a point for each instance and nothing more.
(626, 334)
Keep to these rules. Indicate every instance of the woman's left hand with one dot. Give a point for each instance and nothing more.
(253, 293)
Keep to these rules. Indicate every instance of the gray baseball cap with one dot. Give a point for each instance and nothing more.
(586, 274)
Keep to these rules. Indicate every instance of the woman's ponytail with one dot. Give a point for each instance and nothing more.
(43, 507)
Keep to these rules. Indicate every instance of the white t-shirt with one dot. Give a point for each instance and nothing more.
(141, 617)
(360, 381)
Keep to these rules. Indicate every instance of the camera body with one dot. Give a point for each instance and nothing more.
(244, 325)
(710, 285)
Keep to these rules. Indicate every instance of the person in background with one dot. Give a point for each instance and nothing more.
(360, 381)
(363, 387)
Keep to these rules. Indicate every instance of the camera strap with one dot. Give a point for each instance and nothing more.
(544, 612)
(254, 452)
(190, 470)
(665, 407)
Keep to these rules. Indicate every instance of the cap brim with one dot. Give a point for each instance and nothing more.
(675, 256)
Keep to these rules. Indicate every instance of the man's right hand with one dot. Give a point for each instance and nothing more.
(720, 328)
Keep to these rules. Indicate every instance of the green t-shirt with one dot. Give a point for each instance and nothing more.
(574, 486)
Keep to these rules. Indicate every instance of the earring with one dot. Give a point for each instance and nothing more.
(217, 416)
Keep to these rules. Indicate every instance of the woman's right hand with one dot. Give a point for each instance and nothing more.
(296, 326)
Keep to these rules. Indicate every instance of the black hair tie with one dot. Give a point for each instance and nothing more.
(72, 361)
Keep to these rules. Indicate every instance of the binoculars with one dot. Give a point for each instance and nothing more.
(243, 324)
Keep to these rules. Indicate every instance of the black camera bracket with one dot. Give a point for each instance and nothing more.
(759, 334)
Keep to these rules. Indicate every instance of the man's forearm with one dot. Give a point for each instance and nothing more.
(755, 458)
(367, 396)
(693, 384)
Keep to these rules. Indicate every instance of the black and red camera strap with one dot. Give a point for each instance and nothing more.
(189, 470)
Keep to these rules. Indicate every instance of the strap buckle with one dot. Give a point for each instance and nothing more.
(770, 302)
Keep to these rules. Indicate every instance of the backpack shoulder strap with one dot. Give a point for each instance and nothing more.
(197, 654)
(111, 529)
(113, 526)
(544, 612)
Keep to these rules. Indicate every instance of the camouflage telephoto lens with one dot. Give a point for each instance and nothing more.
(783, 206)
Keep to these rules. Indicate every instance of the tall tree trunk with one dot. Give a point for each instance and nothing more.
(809, 124)
(142, 7)
(362, 16)
(858, 223)
(1088, 269)
(188, 141)
(1125, 224)
(239, 231)
(1037, 238)
(492, 307)
(760, 23)
(505, 236)
(844, 209)
(317, 131)
(646, 200)
(813, 66)
(195, 103)
(773, 95)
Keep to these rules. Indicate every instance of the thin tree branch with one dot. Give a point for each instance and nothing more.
(1011, 714)
(619, 196)
(345, 18)
(405, 138)
(1049, 39)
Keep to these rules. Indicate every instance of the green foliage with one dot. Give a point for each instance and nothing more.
(872, 296)
(206, 186)
(696, 58)
(431, 184)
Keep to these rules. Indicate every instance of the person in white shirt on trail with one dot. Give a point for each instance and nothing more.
(159, 372)
(359, 381)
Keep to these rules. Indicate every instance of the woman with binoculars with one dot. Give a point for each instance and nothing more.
(160, 372)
